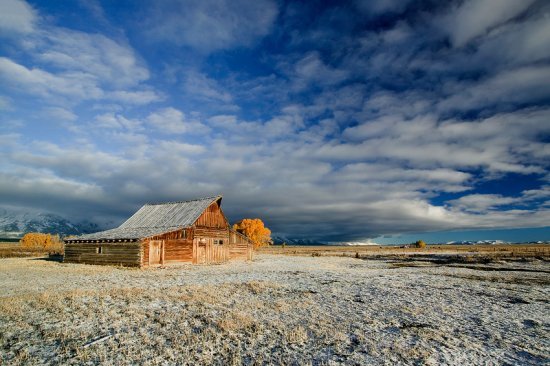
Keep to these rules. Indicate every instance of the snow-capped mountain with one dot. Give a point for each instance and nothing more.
(14, 224)
(290, 241)
(277, 239)
(477, 242)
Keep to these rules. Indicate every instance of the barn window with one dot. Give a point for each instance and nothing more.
(184, 234)
(99, 250)
(221, 241)
(216, 241)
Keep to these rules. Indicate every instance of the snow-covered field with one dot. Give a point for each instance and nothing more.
(276, 310)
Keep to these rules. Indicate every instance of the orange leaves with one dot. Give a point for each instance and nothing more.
(41, 241)
(255, 230)
(420, 244)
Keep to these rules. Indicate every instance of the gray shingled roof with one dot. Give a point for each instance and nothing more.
(154, 219)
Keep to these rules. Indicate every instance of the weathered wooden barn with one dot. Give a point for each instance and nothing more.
(194, 231)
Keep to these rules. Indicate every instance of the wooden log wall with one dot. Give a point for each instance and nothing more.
(125, 253)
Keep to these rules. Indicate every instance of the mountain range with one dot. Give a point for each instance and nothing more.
(14, 224)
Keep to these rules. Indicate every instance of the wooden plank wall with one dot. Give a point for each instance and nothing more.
(240, 247)
(212, 232)
(145, 253)
(125, 254)
(178, 250)
(178, 247)
(214, 253)
(212, 217)
(239, 251)
(177, 234)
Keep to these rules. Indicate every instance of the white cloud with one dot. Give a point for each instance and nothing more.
(95, 9)
(171, 120)
(6, 103)
(516, 44)
(198, 85)
(503, 143)
(527, 84)
(46, 84)
(110, 62)
(312, 70)
(337, 153)
(117, 121)
(211, 25)
(474, 18)
(481, 202)
(16, 16)
(175, 147)
(61, 114)
(135, 97)
(64, 65)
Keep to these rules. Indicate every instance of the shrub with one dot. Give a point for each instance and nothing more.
(38, 241)
(420, 244)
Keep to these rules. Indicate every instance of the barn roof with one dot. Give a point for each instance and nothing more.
(156, 218)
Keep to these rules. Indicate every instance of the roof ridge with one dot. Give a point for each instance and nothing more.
(172, 202)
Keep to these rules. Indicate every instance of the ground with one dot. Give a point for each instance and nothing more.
(292, 310)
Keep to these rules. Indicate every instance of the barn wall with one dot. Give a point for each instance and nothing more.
(210, 232)
(145, 253)
(212, 217)
(178, 251)
(126, 254)
(240, 247)
(207, 247)
(178, 247)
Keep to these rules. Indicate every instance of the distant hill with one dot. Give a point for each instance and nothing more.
(14, 224)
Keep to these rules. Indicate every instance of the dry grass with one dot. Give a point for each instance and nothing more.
(196, 324)
(508, 251)
(14, 250)
(276, 310)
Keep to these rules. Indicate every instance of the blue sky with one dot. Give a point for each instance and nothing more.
(334, 120)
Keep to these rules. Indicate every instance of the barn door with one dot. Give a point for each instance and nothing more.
(201, 251)
(156, 252)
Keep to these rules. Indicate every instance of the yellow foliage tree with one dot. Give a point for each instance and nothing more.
(420, 244)
(255, 230)
(47, 242)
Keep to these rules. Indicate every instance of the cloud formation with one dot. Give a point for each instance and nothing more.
(333, 123)
(210, 25)
(16, 16)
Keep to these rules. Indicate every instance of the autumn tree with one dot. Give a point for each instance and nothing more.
(255, 230)
(46, 242)
(420, 244)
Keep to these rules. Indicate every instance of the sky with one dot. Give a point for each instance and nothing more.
(340, 121)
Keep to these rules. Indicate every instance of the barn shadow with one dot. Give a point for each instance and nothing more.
(50, 258)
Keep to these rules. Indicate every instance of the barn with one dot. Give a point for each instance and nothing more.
(195, 231)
